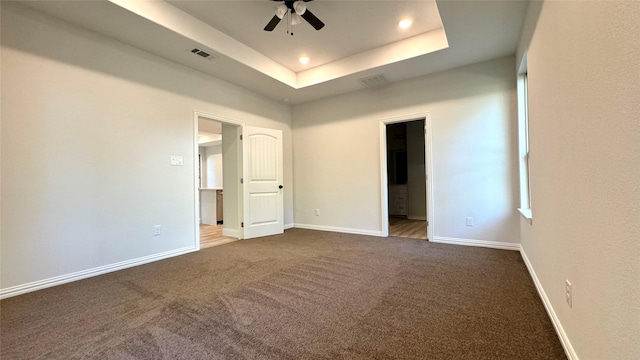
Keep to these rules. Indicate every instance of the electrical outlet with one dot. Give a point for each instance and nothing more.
(157, 230)
(469, 221)
(317, 212)
(568, 293)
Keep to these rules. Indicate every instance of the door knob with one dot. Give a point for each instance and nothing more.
(280, 187)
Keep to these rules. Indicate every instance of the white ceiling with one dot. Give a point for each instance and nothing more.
(209, 132)
(376, 23)
(360, 39)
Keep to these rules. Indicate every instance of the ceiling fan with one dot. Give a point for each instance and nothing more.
(297, 9)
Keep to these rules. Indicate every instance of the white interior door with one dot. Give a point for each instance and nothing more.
(262, 182)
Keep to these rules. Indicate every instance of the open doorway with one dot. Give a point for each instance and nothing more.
(406, 179)
(251, 192)
(218, 167)
(405, 163)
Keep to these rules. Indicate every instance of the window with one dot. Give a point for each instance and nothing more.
(525, 128)
(524, 145)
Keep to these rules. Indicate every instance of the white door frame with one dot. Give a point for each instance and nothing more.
(428, 167)
(196, 185)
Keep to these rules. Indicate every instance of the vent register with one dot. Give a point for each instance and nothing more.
(205, 54)
(375, 81)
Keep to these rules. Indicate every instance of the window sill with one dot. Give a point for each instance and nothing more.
(526, 214)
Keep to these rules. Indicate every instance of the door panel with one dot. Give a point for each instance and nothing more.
(262, 181)
(264, 208)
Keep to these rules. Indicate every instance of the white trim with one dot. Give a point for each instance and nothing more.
(234, 233)
(209, 116)
(478, 243)
(340, 230)
(421, 218)
(384, 198)
(562, 335)
(428, 158)
(384, 185)
(63, 279)
(196, 182)
(527, 214)
(524, 150)
(289, 226)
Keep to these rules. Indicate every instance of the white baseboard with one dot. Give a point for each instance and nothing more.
(63, 279)
(234, 233)
(480, 243)
(564, 339)
(288, 226)
(421, 218)
(339, 229)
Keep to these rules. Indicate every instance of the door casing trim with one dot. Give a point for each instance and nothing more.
(384, 203)
(196, 187)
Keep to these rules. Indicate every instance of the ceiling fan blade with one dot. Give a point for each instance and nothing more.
(272, 24)
(313, 20)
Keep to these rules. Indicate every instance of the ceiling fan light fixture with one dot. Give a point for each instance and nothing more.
(295, 19)
(294, 11)
(299, 7)
(281, 11)
(405, 23)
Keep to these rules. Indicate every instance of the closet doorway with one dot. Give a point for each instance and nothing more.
(406, 156)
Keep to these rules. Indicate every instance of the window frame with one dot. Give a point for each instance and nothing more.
(524, 144)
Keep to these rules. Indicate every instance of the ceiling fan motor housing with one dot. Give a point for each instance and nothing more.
(298, 10)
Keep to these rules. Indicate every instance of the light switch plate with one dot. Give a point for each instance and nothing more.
(176, 160)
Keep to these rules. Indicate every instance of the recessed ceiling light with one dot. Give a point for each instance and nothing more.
(405, 23)
(304, 59)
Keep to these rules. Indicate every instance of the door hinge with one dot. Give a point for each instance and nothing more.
(425, 130)
(241, 180)
(427, 222)
(241, 224)
(240, 137)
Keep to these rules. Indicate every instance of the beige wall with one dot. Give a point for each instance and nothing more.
(214, 166)
(88, 128)
(473, 111)
(584, 110)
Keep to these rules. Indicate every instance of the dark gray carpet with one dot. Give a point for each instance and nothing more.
(302, 295)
